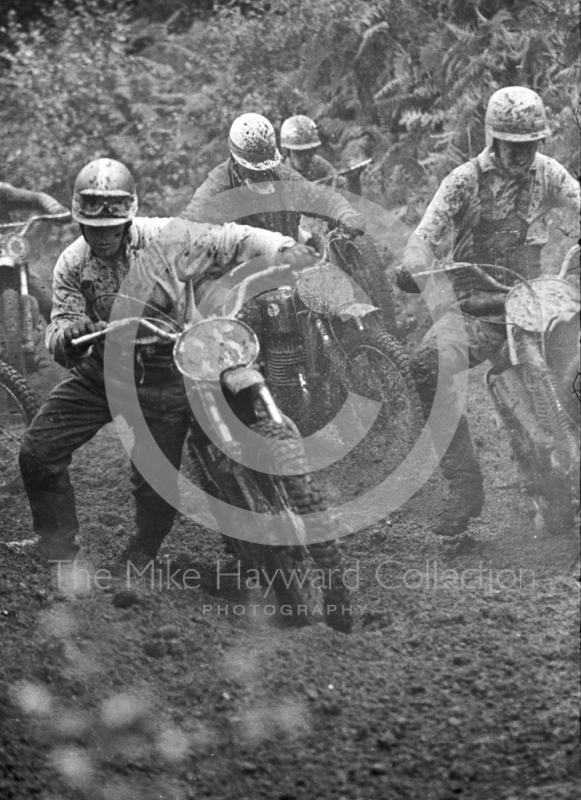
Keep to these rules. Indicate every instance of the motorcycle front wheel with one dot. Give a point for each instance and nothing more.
(308, 578)
(12, 353)
(17, 408)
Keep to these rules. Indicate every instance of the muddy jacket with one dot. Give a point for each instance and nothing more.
(319, 170)
(22, 201)
(493, 218)
(167, 259)
(210, 205)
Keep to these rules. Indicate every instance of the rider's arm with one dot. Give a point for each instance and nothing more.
(321, 201)
(217, 249)
(563, 188)
(68, 306)
(25, 200)
(445, 208)
(206, 205)
(192, 251)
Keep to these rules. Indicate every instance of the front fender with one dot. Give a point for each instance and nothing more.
(356, 310)
(240, 378)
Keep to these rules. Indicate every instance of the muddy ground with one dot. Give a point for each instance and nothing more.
(457, 684)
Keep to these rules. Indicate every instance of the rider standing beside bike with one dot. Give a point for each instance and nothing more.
(275, 192)
(113, 242)
(495, 205)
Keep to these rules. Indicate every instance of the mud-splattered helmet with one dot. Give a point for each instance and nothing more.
(299, 133)
(516, 114)
(104, 194)
(253, 144)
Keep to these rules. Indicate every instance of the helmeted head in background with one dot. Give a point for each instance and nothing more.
(252, 144)
(299, 135)
(515, 124)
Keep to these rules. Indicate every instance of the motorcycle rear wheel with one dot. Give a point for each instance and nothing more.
(379, 370)
(17, 408)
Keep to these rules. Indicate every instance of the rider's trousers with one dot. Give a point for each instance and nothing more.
(74, 412)
(454, 343)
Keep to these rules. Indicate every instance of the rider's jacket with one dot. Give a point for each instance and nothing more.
(22, 200)
(161, 262)
(484, 215)
(321, 170)
(279, 211)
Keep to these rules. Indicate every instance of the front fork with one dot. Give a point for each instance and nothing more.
(27, 324)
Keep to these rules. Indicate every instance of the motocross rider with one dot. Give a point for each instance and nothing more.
(22, 201)
(495, 207)
(113, 242)
(300, 138)
(256, 164)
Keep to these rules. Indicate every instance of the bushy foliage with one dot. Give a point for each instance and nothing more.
(414, 74)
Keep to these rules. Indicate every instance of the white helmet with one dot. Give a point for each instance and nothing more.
(516, 114)
(299, 133)
(104, 194)
(253, 144)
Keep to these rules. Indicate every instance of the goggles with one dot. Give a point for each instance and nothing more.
(98, 205)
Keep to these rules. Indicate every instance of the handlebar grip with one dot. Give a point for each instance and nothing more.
(88, 338)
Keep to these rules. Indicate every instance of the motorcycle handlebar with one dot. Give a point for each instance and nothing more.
(26, 224)
(91, 338)
(478, 271)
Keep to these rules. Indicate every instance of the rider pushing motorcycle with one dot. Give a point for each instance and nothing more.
(168, 255)
(496, 206)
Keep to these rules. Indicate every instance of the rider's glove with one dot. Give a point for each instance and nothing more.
(299, 255)
(353, 224)
(75, 331)
(482, 304)
(405, 280)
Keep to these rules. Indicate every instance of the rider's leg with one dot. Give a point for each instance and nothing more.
(437, 359)
(73, 413)
(159, 432)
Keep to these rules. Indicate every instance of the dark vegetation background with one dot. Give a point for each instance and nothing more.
(156, 84)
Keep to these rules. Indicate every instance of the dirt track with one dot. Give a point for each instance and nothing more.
(458, 684)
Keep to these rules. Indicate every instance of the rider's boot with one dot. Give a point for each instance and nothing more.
(153, 520)
(462, 470)
(55, 522)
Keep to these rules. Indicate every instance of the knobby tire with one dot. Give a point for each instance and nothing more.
(18, 406)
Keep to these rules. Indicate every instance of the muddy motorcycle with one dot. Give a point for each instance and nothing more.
(320, 345)
(360, 259)
(19, 318)
(532, 387)
(235, 420)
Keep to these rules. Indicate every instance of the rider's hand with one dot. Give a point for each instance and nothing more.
(299, 255)
(63, 214)
(78, 329)
(405, 280)
(353, 224)
(482, 304)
